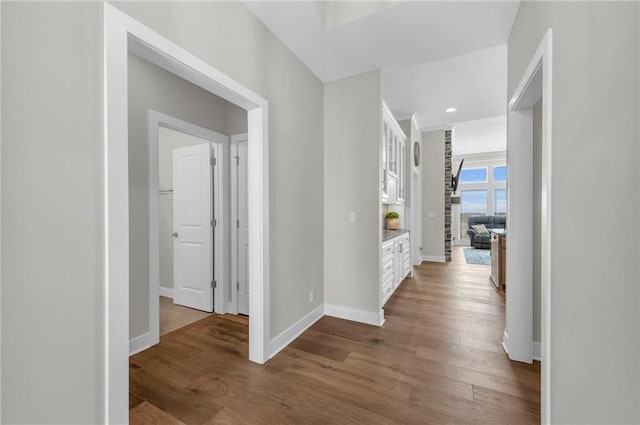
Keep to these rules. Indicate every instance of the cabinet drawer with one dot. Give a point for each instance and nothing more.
(387, 271)
(387, 251)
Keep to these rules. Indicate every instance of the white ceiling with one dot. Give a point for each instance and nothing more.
(408, 41)
(474, 83)
(480, 136)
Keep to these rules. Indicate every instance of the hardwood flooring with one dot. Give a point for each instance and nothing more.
(436, 360)
(173, 316)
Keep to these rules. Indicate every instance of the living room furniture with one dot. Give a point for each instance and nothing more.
(491, 222)
(498, 258)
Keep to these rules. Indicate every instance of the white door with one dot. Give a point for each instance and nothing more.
(192, 227)
(242, 228)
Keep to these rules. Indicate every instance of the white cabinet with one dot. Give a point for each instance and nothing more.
(393, 159)
(395, 264)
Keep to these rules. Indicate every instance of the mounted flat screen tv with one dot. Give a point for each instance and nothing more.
(456, 178)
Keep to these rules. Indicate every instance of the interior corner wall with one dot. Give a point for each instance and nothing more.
(595, 359)
(352, 158)
(433, 169)
(153, 88)
(53, 187)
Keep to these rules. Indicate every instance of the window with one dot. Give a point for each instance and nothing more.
(473, 175)
(500, 201)
(473, 201)
(500, 173)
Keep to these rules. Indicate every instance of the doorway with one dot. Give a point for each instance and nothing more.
(123, 34)
(239, 234)
(534, 91)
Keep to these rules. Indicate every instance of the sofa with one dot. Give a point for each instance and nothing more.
(483, 240)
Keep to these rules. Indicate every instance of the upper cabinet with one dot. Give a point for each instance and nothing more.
(393, 159)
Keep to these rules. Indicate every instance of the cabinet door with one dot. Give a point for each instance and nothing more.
(385, 164)
(390, 158)
(401, 171)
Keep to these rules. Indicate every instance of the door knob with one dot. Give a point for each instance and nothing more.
(174, 234)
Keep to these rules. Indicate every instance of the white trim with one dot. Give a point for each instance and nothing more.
(165, 292)
(294, 331)
(0, 212)
(505, 342)
(121, 33)
(233, 303)
(141, 343)
(536, 348)
(393, 121)
(157, 119)
(535, 84)
(355, 315)
(414, 120)
(434, 258)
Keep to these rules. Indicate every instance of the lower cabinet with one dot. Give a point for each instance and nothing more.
(396, 264)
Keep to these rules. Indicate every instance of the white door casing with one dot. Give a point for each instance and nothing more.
(193, 227)
(535, 85)
(240, 275)
(123, 34)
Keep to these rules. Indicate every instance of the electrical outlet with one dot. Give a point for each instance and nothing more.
(312, 295)
(352, 217)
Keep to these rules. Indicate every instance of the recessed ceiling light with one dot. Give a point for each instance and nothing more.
(452, 109)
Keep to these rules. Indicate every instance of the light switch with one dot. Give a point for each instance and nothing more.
(432, 215)
(352, 217)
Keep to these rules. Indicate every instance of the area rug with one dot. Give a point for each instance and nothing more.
(477, 256)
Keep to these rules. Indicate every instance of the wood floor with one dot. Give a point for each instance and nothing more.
(436, 360)
(173, 316)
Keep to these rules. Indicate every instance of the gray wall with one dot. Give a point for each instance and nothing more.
(594, 280)
(537, 208)
(52, 165)
(52, 187)
(151, 87)
(433, 193)
(229, 37)
(352, 158)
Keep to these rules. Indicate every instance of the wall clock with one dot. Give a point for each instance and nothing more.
(416, 154)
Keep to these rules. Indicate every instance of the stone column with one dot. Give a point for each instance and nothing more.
(447, 195)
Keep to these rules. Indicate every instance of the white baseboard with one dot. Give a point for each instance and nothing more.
(434, 258)
(165, 292)
(536, 348)
(362, 316)
(141, 343)
(505, 342)
(295, 330)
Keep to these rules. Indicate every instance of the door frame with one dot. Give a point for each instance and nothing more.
(156, 120)
(122, 34)
(535, 85)
(234, 299)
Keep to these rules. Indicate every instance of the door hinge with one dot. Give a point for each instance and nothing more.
(237, 223)
(238, 286)
(212, 161)
(214, 284)
(214, 222)
(237, 158)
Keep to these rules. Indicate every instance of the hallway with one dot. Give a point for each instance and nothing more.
(436, 360)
